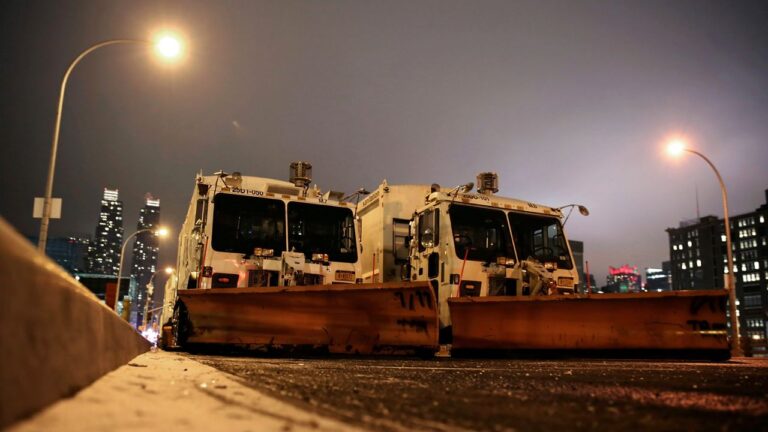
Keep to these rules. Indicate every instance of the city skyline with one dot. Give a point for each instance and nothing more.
(567, 102)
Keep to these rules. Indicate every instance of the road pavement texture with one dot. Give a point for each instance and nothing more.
(162, 391)
(515, 394)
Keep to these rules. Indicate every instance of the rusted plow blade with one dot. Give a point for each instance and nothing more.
(681, 321)
(353, 319)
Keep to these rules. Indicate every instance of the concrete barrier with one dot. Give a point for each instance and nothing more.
(55, 336)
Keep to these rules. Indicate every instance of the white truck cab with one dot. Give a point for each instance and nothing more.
(465, 244)
(244, 232)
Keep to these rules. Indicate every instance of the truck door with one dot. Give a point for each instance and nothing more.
(429, 265)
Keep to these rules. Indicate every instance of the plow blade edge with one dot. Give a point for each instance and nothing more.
(673, 321)
(354, 319)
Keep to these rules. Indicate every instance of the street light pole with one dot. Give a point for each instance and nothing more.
(150, 290)
(45, 220)
(120, 264)
(729, 281)
(158, 231)
(166, 45)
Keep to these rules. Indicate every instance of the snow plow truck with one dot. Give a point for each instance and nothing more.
(278, 265)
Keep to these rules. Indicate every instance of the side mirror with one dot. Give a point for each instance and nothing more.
(427, 238)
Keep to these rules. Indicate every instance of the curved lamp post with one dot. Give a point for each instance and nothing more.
(676, 147)
(160, 232)
(582, 209)
(166, 46)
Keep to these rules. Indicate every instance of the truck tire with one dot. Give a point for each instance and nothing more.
(176, 339)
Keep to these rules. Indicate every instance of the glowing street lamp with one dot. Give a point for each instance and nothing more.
(166, 46)
(675, 148)
(160, 232)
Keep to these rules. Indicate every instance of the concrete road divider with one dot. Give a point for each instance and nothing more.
(55, 336)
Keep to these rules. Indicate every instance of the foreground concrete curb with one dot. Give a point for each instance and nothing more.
(55, 336)
(168, 392)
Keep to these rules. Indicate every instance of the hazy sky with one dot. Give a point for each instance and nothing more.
(568, 101)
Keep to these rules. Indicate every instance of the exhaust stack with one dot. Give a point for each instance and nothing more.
(487, 183)
(301, 174)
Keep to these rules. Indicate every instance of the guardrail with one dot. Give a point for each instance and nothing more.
(55, 336)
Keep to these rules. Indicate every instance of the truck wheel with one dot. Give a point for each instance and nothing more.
(425, 353)
(446, 335)
(179, 327)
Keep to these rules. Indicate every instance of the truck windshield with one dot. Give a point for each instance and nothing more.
(482, 234)
(540, 237)
(242, 223)
(322, 229)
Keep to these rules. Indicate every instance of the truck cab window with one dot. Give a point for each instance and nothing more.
(540, 237)
(322, 229)
(480, 233)
(242, 223)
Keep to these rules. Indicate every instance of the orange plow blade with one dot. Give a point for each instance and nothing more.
(673, 321)
(353, 319)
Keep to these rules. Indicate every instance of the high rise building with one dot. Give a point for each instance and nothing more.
(104, 250)
(659, 279)
(698, 255)
(71, 253)
(145, 253)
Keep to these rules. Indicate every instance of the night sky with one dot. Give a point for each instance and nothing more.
(568, 101)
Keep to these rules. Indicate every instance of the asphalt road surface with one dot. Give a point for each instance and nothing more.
(515, 394)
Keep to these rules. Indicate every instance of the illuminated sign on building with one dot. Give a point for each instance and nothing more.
(623, 279)
(625, 269)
